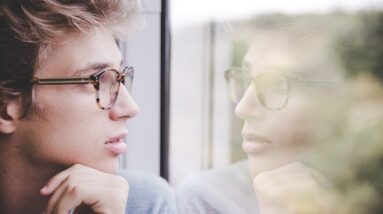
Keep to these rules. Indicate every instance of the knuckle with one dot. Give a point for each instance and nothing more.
(126, 186)
(71, 178)
(120, 195)
(119, 179)
(72, 187)
(74, 192)
(121, 182)
(76, 167)
(80, 168)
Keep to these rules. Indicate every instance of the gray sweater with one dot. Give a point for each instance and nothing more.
(148, 194)
(227, 191)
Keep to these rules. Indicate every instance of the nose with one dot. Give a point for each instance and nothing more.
(249, 106)
(125, 107)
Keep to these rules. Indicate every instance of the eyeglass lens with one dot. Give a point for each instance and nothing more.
(109, 86)
(271, 88)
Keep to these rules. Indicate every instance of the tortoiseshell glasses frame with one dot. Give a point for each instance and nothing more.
(272, 88)
(106, 84)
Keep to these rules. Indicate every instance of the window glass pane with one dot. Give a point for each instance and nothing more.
(306, 81)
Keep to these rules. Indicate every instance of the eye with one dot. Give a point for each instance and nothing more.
(85, 87)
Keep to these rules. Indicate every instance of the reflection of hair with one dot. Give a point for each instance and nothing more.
(363, 51)
(307, 39)
(28, 28)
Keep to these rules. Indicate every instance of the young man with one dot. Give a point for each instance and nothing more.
(64, 110)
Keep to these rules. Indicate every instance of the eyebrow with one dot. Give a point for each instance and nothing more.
(94, 67)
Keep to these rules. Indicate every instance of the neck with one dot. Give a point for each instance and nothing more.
(21, 181)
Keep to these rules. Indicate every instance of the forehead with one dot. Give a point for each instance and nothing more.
(79, 51)
(309, 57)
(265, 55)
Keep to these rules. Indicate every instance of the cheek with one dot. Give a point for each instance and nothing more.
(58, 142)
(63, 130)
(65, 96)
(292, 128)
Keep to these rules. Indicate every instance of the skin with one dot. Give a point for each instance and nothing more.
(281, 182)
(59, 148)
(286, 129)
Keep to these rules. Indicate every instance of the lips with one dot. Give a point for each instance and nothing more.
(255, 138)
(116, 145)
(253, 143)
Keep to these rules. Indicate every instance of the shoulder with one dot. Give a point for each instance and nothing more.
(225, 190)
(148, 193)
(236, 175)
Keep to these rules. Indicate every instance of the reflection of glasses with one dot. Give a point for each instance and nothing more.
(106, 82)
(272, 88)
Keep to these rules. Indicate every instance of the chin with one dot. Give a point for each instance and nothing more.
(258, 165)
(109, 166)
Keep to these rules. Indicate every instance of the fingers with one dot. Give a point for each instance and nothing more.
(291, 174)
(72, 197)
(83, 185)
(56, 180)
(287, 180)
(67, 201)
(292, 187)
(295, 171)
(71, 184)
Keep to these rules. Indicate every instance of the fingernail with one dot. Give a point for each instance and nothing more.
(44, 189)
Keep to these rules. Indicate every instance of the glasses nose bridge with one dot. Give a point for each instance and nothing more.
(122, 75)
(252, 92)
(123, 95)
(125, 104)
(108, 92)
(249, 106)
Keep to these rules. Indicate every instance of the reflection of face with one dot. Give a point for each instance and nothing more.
(67, 127)
(271, 138)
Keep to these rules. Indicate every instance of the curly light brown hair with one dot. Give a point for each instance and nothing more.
(28, 28)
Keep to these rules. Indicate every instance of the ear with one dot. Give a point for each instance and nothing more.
(8, 117)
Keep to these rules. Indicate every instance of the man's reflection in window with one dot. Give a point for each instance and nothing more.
(297, 110)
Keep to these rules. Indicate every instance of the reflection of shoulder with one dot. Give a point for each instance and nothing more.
(148, 194)
(225, 190)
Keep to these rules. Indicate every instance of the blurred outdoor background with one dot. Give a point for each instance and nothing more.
(209, 37)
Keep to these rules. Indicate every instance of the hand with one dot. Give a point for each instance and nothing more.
(103, 192)
(293, 188)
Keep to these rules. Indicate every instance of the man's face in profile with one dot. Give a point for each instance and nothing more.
(273, 138)
(66, 126)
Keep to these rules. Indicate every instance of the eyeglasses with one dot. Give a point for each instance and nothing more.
(106, 84)
(272, 88)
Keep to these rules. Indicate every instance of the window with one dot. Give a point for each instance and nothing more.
(188, 125)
